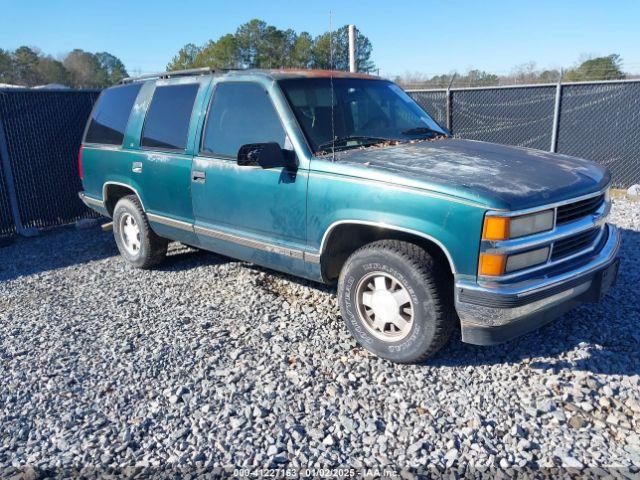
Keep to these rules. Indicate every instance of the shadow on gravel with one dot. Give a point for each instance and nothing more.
(55, 249)
(269, 285)
(609, 331)
(181, 257)
(67, 246)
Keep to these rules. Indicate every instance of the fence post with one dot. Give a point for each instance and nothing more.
(448, 104)
(556, 116)
(11, 187)
(448, 112)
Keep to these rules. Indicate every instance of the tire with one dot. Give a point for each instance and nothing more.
(137, 243)
(425, 307)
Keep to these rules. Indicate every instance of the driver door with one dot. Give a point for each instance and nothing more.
(246, 212)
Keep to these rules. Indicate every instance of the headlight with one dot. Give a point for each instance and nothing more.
(497, 228)
(528, 259)
(494, 265)
(505, 228)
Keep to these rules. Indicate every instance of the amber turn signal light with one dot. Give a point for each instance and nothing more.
(495, 228)
(491, 265)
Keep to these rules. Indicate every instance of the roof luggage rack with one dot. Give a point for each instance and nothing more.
(178, 73)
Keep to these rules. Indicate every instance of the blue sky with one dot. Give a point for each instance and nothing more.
(422, 35)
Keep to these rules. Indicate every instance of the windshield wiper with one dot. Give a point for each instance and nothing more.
(366, 140)
(421, 130)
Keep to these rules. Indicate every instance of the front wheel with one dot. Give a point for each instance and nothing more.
(137, 243)
(396, 301)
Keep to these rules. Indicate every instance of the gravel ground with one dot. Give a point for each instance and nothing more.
(208, 361)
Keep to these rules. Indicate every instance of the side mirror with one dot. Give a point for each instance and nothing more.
(265, 155)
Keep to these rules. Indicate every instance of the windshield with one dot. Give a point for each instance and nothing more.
(365, 112)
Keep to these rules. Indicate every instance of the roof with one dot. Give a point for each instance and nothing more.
(276, 74)
(306, 73)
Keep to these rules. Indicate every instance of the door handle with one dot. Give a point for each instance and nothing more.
(136, 167)
(199, 177)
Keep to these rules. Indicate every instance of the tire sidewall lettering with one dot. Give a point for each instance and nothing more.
(424, 309)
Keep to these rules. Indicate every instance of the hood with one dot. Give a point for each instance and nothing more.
(506, 177)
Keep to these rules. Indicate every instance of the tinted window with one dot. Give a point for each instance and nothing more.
(351, 112)
(167, 122)
(111, 114)
(241, 113)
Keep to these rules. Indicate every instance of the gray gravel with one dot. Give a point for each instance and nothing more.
(209, 361)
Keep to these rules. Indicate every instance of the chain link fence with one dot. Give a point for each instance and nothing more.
(7, 225)
(520, 117)
(40, 135)
(598, 121)
(434, 102)
(601, 122)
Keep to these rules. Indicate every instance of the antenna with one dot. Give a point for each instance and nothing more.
(333, 130)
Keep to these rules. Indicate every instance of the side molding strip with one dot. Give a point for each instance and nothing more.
(88, 201)
(248, 242)
(227, 237)
(311, 257)
(170, 222)
(277, 249)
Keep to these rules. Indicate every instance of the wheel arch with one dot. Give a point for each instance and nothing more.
(113, 191)
(345, 236)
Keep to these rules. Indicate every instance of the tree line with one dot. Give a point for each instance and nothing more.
(256, 44)
(29, 67)
(590, 69)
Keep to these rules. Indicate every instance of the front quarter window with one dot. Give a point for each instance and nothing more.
(351, 112)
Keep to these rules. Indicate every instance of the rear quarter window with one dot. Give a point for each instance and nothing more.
(167, 122)
(111, 114)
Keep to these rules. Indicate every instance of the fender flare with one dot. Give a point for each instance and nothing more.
(325, 236)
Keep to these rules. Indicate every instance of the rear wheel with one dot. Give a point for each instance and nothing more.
(137, 243)
(396, 300)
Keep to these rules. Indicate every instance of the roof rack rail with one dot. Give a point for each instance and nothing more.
(178, 73)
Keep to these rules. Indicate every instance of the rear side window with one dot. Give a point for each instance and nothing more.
(167, 122)
(111, 114)
(241, 113)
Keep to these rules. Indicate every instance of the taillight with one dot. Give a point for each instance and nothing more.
(80, 168)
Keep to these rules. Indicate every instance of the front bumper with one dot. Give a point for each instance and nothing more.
(494, 313)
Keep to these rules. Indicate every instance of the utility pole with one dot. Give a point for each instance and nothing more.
(352, 48)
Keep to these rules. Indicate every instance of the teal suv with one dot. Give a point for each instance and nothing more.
(343, 179)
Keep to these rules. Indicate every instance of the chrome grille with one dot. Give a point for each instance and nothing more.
(574, 211)
(574, 244)
(579, 229)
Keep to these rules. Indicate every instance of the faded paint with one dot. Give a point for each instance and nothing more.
(440, 188)
(507, 177)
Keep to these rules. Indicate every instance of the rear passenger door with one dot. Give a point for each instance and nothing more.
(165, 155)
